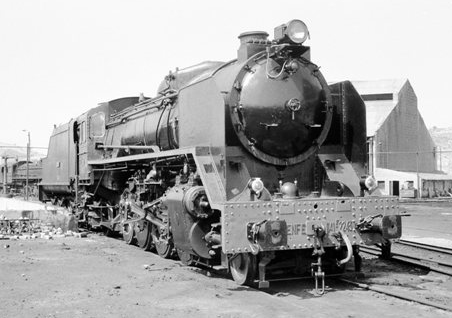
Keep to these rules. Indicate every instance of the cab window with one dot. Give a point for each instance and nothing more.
(97, 125)
(82, 132)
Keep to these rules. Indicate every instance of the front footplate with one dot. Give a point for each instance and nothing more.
(276, 225)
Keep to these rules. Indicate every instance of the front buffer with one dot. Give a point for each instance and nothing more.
(259, 233)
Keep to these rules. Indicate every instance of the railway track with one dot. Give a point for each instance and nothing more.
(433, 263)
(440, 249)
(405, 295)
(411, 256)
(400, 295)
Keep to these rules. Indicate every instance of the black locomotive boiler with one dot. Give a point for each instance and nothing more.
(256, 165)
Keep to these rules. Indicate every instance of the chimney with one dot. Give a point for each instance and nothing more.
(251, 43)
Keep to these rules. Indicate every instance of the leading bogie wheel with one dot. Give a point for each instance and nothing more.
(127, 233)
(143, 235)
(162, 241)
(243, 268)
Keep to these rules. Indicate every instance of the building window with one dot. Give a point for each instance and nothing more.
(372, 97)
(381, 185)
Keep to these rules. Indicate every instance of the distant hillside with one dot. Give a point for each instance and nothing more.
(19, 152)
(443, 139)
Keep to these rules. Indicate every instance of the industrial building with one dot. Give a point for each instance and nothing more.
(402, 155)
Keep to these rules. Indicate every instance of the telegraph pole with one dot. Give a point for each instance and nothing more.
(419, 181)
(28, 164)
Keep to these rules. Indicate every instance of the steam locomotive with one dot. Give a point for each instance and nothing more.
(13, 178)
(256, 165)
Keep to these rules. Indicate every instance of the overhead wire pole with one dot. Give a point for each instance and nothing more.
(419, 185)
(28, 164)
(28, 167)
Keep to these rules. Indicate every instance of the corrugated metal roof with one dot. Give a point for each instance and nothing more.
(379, 86)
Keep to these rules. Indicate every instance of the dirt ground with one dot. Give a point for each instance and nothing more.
(103, 277)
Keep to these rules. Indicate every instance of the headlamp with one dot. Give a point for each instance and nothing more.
(370, 183)
(256, 185)
(294, 31)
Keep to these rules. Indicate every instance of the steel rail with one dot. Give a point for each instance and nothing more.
(444, 250)
(384, 290)
(412, 260)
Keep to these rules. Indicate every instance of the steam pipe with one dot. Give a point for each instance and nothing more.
(153, 148)
(349, 248)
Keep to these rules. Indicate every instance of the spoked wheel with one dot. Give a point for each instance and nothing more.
(163, 243)
(243, 268)
(143, 235)
(127, 233)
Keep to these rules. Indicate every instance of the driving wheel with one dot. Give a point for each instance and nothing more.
(127, 233)
(143, 235)
(162, 242)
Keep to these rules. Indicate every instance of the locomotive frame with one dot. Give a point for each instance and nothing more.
(255, 165)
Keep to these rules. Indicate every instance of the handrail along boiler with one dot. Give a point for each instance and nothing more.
(256, 165)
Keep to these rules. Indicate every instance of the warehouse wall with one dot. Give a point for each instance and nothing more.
(403, 132)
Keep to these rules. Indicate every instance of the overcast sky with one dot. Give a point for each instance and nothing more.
(59, 58)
